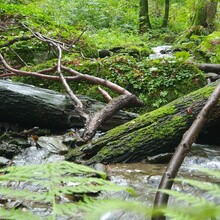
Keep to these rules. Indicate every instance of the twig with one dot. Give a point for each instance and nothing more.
(78, 104)
(78, 38)
(47, 39)
(19, 57)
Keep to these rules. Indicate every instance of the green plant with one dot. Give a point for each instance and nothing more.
(210, 47)
(54, 181)
(195, 207)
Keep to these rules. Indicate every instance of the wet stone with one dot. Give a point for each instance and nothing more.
(9, 150)
(53, 144)
(3, 162)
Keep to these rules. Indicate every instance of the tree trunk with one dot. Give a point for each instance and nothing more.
(156, 132)
(144, 20)
(32, 106)
(205, 13)
(166, 13)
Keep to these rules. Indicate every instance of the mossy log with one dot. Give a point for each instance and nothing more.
(33, 106)
(159, 131)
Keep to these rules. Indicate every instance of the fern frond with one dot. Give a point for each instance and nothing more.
(211, 188)
(199, 212)
(22, 173)
(25, 195)
(209, 172)
(13, 214)
(55, 180)
(66, 209)
(180, 196)
(98, 208)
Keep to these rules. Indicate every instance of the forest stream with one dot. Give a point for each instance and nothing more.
(142, 177)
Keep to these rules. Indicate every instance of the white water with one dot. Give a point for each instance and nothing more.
(157, 52)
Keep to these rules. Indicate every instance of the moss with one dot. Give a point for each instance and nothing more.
(136, 51)
(120, 147)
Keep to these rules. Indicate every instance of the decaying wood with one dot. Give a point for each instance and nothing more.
(183, 148)
(156, 132)
(92, 122)
(207, 67)
(32, 106)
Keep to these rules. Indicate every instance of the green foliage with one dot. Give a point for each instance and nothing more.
(95, 13)
(210, 47)
(54, 181)
(156, 82)
(182, 56)
(96, 209)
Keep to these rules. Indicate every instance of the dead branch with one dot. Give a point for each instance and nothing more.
(188, 139)
(105, 94)
(19, 57)
(77, 103)
(106, 112)
(94, 121)
(43, 38)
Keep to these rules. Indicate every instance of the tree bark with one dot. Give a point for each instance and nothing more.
(156, 132)
(32, 106)
(144, 20)
(166, 13)
(205, 13)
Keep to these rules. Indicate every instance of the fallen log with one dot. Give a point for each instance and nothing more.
(208, 67)
(33, 106)
(156, 132)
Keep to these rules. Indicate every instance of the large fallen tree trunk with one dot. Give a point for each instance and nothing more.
(208, 67)
(32, 106)
(155, 132)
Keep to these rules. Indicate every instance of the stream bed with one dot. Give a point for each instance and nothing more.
(142, 176)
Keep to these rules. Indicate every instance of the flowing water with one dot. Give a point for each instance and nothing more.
(142, 176)
(161, 52)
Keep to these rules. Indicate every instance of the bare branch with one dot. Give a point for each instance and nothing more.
(47, 39)
(78, 104)
(78, 38)
(105, 113)
(105, 94)
(96, 80)
(19, 57)
(27, 73)
(8, 74)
